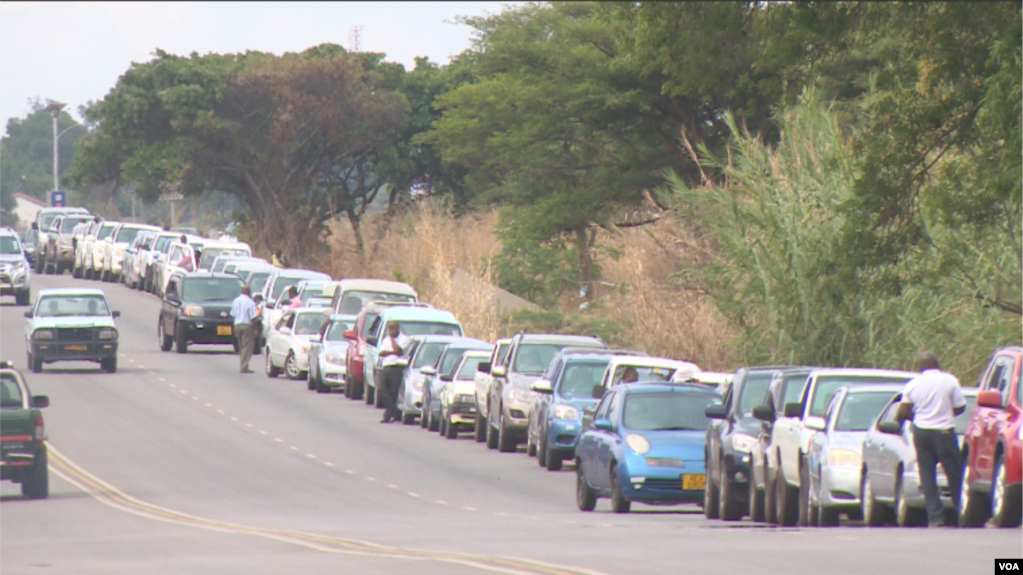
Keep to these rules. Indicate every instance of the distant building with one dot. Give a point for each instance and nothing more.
(26, 207)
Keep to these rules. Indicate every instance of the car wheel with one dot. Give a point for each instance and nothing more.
(491, 431)
(974, 507)
(541, 452)
(770, 505)
(424, 413)
(785, 498)
(348, 385)
(166, 341)
(49, 269)
(906, 516)
(585, 498)
(318, 382)
(39, 264)
(873, 511)
(22, 297)
(408, 418)
(619, 504)
(530, 445)
(443, 423)
(108, 364)
(554, 461)
(37, 364)
(369, 394)
(479, 430)
(36, 484)
(291, 367)
(76, 272)
(450, 429)
(1005, 505)
(728, 499)
(310, 383)
(756, 502)
(271, 369)
(505, 442)
(711, 501)
(180, 341)
(433, 423)
(803, 515)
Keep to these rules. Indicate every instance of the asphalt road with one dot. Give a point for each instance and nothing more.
(178, 464)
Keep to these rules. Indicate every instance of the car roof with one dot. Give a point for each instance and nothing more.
(463, 342)
(477, 353)
(343, 317)
(296, 273)
(409, 313)
(70, 291)
(578, 340)
(873, 388)
(434, 338)
(226, 244)
(385, 286)
(862, 372)
(144, 227)
(305, 310)
(654, 387)
(207, 274)
(647, 361)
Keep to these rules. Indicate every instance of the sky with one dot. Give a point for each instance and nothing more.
(74, 52)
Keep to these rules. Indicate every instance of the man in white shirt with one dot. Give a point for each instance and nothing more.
(243, 310)
(932, 400)
(391, 350)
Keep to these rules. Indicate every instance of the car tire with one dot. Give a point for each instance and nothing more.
(541, 452)
(310, 384)
(973, 504)
(433, 423)
(108, 364)
(505, 442)
(76, 272)
(271, 369)
(479, 430)
(408, 418)
(491, 431)
(180, 341)
(22, 297)
(1005, 504)
(50, 269)
(166, 341)
(786, 500)
(770, 503)
(348, 385)
(291, 369)
(826, 516)
(873, 510)
(36, 364)
(906, 516)
(450, 429)
(40, 264)
(36, 484)
(368, 394)
(424, 420)
(585, 497)
(530, 445)
(728, 499)
(756, 502)
(318, 382)
(803, 515)
(554, 461)
(711, 499)
(619, 504)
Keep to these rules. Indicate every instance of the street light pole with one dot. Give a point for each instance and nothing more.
(55, 108)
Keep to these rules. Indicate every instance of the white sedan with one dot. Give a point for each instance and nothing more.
(287, 342)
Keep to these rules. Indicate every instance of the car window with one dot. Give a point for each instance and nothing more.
(337, 330)
(429, 328)
(9, 245)
(532, 358)
(605, 404)
(579, 378)
(428, 353)
(994, 376)
(283, 322)
(469, 367)
(859, 410)
(368, 324)
(309, 323)
(828, 385)
(891, 413)
(451, 358)
(257, 281)
(1019, 388)
(754, 387)
(69, 223)
(202, 289)
(502, 353)
(126, 234)
(352, 301)
(963, 419)
(10, 392)
(1005, 385)
(105, 231)
(667, 411)
(72, 305)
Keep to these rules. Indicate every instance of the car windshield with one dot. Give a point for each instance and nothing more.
(578, 378)
(352, 301)
(318, 301)
(793, 389)
(126, 235)
(69, 223)
(47, 220)
(309, 292)
(210, 289)
(309, 323)
(859, 410)
(104, 232)
(670, 410)
(428, 353)
(828, 385)
(257, 281)
(211, 254)
(963, 419)
(337, 330)
(72, 305)
(283, 283)
(532, 359)
(452, 357)
(30, 235)
(10, 392)
(429, 328)
(470, 367)
(161, 243)
(651, 374)
(9, 245)
(754, 388)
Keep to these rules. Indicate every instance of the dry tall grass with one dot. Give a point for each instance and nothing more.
(426, 244)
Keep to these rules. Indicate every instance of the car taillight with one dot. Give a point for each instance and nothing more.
(40, 433)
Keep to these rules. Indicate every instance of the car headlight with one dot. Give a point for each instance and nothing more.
(194, 310)
(637, 443)
(108, 333)
(743, 443)
(18, 267)
(566, 412)
(42, 334)
(843, 458)
(519, 395)
(335, 359)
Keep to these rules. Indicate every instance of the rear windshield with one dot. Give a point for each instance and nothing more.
(257, 281)
(453, 356)
(337, 330)
(72, 305)
(210, 289)
(859, 410)
(428, 328)
(470, 367)
(646, 374)
(667, 411)
(10, 393)
(428, 353)
(126, 235)
(828, 385)
(532, 358)
(352, 301)
(211, 254)
(578, 379)
(47, 220)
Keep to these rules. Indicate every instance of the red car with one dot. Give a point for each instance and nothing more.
(992, 458)
(354, 375)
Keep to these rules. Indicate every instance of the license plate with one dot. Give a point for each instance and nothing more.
(694, 482)
(223, 330)
(76, 348)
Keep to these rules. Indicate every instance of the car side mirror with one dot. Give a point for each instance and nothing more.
(447, 377)
(316, 338)
(428, 370)
(484, 367)
(349, 334)
(499, 371)
(815, 422)
(793, 410)
(28, 314)
(116, 313)
(892, 427)
(716, 411)
(541, 386)
(371, 341)
(763, 413)
(597, 392)
(40, 401)
(989, 398)
(604, 424)
(285, 330)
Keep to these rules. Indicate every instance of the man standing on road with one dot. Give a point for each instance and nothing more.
(391, 351)
(243, 310)
(932, 400)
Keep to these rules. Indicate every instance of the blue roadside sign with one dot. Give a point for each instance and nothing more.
(58, 199)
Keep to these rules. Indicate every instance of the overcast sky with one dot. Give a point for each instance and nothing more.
(73, 52)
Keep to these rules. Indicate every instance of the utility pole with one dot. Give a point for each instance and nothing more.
(55, 108)
(354, 38)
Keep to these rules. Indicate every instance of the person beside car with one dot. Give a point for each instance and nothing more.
(391, 350)
(932, 400)
(243, 310)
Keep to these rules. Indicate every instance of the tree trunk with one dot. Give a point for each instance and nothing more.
(584, 244)
(355, 222)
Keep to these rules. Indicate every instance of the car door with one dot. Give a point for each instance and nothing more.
(998, 379)
(589, 443)
(280, 339)
(607, 443)
(169, 306)
(786, 437)
(882, 451)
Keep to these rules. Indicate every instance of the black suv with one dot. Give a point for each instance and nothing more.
(23, 443)
(730, 440)
(197, 309)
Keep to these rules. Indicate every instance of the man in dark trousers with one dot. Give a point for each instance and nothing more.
(932, 400)
(391, 350)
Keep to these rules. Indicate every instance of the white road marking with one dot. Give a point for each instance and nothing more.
(392, 486)
(185, 391)
(195, 398)
(261, 432)
(249, 425)
(328, 464)
(371, 478)
(469, 508)
(293, 448)
(221, 412)
(413, 494)
(349, 472)
(233, 418)
(142, 366)
(501, 514)
(209, 405)
(310, 456)
(125, 355)
(441, 502)
(164, 380)
(278, 440)
(130, 359)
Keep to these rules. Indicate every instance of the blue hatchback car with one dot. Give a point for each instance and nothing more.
(645, 444)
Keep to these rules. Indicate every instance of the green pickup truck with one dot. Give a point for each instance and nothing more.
(22, 435)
